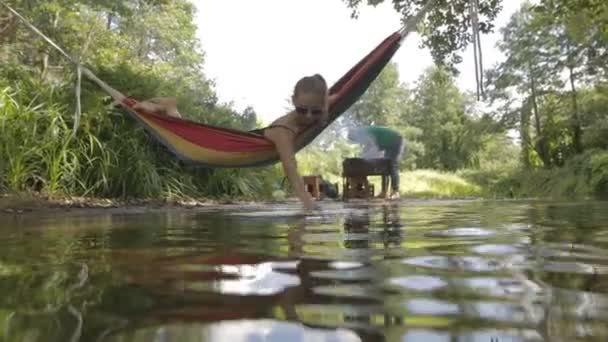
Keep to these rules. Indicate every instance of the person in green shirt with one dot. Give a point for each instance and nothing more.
(378, 141)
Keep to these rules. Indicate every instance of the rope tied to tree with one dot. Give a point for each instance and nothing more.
(477, 54)
(79, 67)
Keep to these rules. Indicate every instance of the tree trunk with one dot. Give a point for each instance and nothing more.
(535, 106)
(576, 122)
(524, 132)
(542, 146)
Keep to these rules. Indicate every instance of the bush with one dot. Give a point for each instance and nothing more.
(583, 176)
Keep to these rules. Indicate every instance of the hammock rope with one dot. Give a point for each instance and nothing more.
(477, 55)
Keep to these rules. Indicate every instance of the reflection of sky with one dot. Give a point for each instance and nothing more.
(266, 330)
(476, 336)
(258, 279)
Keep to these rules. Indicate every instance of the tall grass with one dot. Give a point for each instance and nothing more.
(109, 156)
(584, 176)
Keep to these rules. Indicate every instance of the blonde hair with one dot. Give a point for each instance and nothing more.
(311, 84)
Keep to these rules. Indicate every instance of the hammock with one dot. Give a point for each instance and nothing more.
(206, 145)
(212, 146)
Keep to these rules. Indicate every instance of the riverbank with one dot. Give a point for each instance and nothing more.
(581, 178)
(17, 204)
(30, 204)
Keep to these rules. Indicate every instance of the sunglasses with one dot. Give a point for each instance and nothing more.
(305, 110)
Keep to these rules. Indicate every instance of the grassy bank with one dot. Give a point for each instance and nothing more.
(584, 176)
(109, 156)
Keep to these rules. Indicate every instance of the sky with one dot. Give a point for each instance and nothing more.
(255, 51)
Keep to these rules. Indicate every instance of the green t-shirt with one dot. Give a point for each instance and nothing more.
(384, 137)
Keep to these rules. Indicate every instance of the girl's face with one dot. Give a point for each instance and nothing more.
(311, 107)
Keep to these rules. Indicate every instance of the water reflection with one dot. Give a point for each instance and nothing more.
(442, 271)
(322, 292)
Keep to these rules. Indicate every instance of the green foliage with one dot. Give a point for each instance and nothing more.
(594, 104)
(557, 74)
(385, 103)
(450, 135)
(583, 176)
(446, 29)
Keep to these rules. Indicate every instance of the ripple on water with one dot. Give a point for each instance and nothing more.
(418, 283)
(455, 263)
(431, 307)
(510, 335)
(573, 252)
(574, 267)
(491, 249)
(504, 312)
(461, 232)
(246, 280)
(494, 287)
(365, 273)
(578, 304)
(348, 291)
(343, 265)
(493, 311)
(242, 330)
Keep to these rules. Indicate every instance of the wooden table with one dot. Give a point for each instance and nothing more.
(356, 170)
(313, 185)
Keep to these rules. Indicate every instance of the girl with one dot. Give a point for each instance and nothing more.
(311, 102)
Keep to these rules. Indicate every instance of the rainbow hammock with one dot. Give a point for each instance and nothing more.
(211, 146)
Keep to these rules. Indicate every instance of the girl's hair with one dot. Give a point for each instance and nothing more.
(315, 84)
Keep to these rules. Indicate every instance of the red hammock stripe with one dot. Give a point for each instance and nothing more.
(211, 137)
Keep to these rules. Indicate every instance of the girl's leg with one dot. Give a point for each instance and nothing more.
(160, 105)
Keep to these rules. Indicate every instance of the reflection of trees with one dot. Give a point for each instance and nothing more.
(47, 305)
(568, 313)
(188, 288)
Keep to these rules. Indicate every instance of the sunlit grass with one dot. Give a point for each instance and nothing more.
(433, 184)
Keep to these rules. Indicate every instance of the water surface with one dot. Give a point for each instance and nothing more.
(412, 271)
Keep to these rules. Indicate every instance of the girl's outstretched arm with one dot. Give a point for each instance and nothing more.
(283, 141)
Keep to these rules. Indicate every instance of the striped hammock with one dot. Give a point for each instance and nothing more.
(206, 145)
